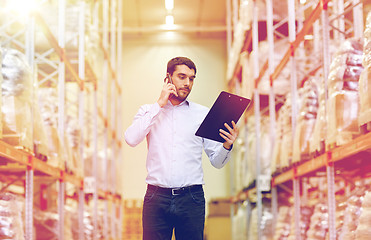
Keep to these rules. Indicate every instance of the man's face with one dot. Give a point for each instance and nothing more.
(183, 78)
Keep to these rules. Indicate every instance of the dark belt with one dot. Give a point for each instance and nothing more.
(174, 191)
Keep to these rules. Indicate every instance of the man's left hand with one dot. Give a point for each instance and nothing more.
(230, 136)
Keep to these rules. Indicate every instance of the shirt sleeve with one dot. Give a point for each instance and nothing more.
(218, 155)
(142, 123)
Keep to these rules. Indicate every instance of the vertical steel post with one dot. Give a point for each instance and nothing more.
(358, 18)
(105, 77)
(292, 37)
(255, 40)
(296, 188)
(61, 66)
(61, 192)
(234, 13)
(29, 182)
(114, 90)
(95, 164)
(81, 60)
(272, 103)
(340, 21)
(118, 106)
(61, 104)
(331, 201)
(29, 204)
(248, 216)
(229, 26)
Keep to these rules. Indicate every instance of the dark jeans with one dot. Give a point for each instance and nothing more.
(163, 212)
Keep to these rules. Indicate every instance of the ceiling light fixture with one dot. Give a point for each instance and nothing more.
(169, 20)
(169, 5)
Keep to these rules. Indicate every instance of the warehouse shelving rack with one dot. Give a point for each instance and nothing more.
(327, 160)
(80, 71)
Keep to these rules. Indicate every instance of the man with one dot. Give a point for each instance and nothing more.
(175, 199)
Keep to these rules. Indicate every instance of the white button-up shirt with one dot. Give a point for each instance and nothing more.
(174, 151)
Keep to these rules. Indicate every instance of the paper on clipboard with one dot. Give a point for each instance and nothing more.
(227, 108)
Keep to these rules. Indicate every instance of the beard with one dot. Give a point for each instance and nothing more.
(182, 94)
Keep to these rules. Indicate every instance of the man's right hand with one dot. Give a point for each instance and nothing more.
(167, 90)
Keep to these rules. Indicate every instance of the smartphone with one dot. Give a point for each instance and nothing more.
(169, 77)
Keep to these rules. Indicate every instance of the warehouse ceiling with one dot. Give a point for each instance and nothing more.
(146, 16)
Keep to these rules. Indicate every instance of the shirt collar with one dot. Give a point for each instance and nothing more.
(185, 102)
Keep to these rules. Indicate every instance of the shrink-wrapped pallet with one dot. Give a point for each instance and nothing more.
(363, 230)
(103, 167)
(239, 159)
(317, 140)
(250, 155)
(281, 85)
(365, 97)
(276, 160)
(239, 223)
(286, 150)
(265, 224)
(352, 213)
(306, 121)
(365, 79)
(46, 225)
(251, 148)
(318, 228)
(343, 102)
(11, 224)
(16, 99)
(283, 226)
(48, 100)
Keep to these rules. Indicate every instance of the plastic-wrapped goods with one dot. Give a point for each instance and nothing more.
(306, 121)
(46, 225)
(11, 225)
(367, 42)
(251, 152)
(352, 213)
(16, 99)
(239, 160)
(103, 171)
(73, 131)
(365, 97)
(363, 231)
(265, 225)
(239, 223)
(281, 85)
(276, 161)
(250, 156)
(305, 215)
(266, 146)
(318, 229)
(244, 24)
(365, 79)
(49, 13)
(343, 102)
(48, 103)
(287, 143)
(88, 226)
(283, 226)
(317, 140)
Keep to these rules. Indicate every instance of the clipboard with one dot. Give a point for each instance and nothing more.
(226, 108)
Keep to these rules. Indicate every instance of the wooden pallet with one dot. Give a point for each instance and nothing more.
(365, 128)
(364, 121)
(340, 139)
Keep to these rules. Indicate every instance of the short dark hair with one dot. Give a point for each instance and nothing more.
(180, 61)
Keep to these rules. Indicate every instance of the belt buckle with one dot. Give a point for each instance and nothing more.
(173, 191)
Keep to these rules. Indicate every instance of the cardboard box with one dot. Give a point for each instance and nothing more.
(218, 228)
(220, 207)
